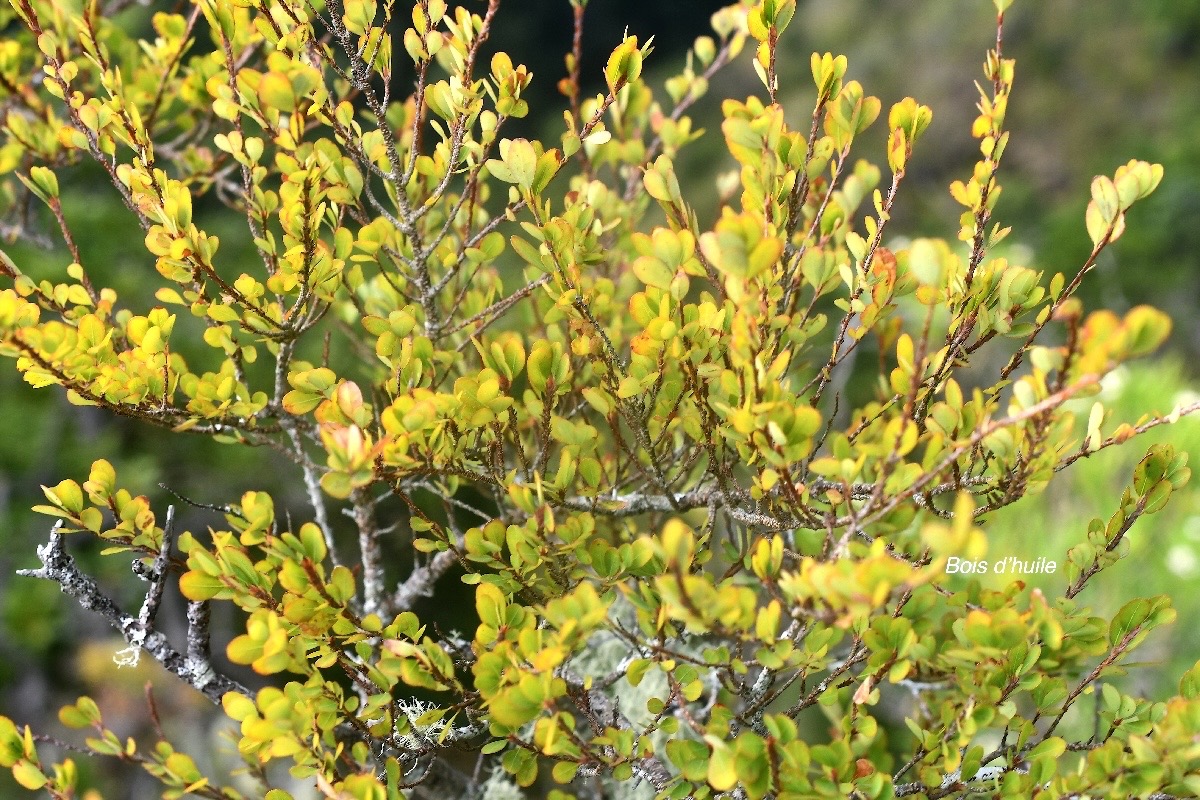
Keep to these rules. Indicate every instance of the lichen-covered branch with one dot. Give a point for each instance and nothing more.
(194, 668)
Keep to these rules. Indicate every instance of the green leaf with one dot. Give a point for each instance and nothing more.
(1104, 195)
(1099, 227)
(827, 72)
(275, 91)
(66, 495)
(1139, 615)
(27, 774)
(1147, 328)
(337, 484)
(926, 264)
(637, 670)
(519, 160)
(84, 714)
(237, 706)
(522, 765)
(653, 272)
(199, 586)
(1095, 420)
(690, 756)
(11, 746)
(722, 765)
(490, 605)
(564, 771)
(1189, 684)
(244, 650)
(624, 65)
(45, 180)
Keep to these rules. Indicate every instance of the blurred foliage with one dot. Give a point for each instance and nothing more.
(1164, 556)
(1098, 82)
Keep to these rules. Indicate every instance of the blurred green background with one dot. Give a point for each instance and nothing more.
(1098, 82)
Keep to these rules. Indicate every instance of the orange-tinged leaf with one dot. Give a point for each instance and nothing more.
(301, 402)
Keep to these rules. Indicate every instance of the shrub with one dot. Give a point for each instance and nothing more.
(619, 422)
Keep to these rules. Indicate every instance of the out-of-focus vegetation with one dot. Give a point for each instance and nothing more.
(1164, 551)
(1097, 81)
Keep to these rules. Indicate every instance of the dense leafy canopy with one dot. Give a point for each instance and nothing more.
(619, 420)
